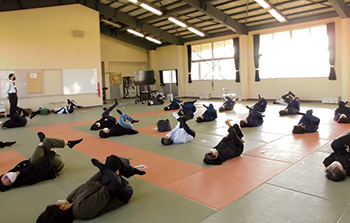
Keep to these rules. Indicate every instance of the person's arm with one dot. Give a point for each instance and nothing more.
(8, 87)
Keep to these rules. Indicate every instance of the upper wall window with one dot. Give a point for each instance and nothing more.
(213, 61)
(295, 54)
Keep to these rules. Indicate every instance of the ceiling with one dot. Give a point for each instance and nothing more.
(212, 17)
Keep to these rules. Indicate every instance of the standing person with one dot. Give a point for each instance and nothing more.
(11, 91)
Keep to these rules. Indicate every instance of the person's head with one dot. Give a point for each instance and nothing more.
(9, 178)
(102, 134)
(200, 119)
(167, 141)
(12, 77)
(24, 113)
(115, 163)
(298, 129)
(211, 159)
(335, 172)
(95, 126)
(53, 214)
(221, 109)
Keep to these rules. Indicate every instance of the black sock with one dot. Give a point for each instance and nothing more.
(116, 102)
(120, 112)
(33, 115)
(10, 143)
(41, 136)
(139, 172)
(133, 121)
(71, 144)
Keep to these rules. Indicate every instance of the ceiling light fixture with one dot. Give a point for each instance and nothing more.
(177, 22)
(278, 16)
(111, 23)
(196, 31)
(151, 9)
(153, 40)
(263, 4)
(133, 1)
(135, 33)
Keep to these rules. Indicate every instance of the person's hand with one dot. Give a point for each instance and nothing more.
(62, 204)
(53, 150)
(8, 97)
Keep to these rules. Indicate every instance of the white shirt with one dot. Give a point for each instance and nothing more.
(10, 87)
(179, 135)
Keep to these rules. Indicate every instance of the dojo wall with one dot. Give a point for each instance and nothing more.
(43, 39)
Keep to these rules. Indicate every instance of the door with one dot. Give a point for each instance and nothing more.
(169, 79)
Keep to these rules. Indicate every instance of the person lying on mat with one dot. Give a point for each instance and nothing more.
(107, 120)
(260, 105)
(105, 191)
(228, 105)
(123, 127)
(292, 108)
(175, 104)
(229, 147)
(342, 113)
(188, 109)
(338, 163)
(67, 109)
(44, 164)
(209, 115)
(17, 120)
(285, 99)
(158, 100)
(307, 124)
(255, 118)
(182, 133)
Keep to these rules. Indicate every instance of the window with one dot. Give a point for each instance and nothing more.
(213, 61)
(295, 54)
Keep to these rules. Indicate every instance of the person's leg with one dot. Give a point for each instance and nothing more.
(70, 108)
(13, 104)
(123, 121)
(184, 125)
(106, 113)
(341, 145)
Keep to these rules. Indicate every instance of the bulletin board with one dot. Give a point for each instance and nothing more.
(34, 84)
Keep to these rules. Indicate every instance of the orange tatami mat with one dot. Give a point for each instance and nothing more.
(152, 131)
(8, 160)
(219, 186)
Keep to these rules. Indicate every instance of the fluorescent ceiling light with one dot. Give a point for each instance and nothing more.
(177, 22)
(133, 1)
(196, 31)
(275, 14)
(111, 23)
(153, 40)
(151, 9)
(263, 4)
(135, 33)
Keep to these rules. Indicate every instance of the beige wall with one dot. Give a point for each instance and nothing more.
(121, 57)
(43, 39)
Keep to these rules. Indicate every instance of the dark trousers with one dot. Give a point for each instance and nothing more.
(184, 125)
(106, 113)
(13, 103)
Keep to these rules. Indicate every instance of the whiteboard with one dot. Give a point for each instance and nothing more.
(79, 81)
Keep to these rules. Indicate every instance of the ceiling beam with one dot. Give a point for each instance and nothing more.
(167, 13)
(341, 8)
(218, 15)
(295, 21)
(127, 38)
(130, 21)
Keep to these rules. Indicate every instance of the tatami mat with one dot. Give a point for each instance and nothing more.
(279, 178)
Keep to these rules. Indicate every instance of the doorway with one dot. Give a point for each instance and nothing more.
(170, 83)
